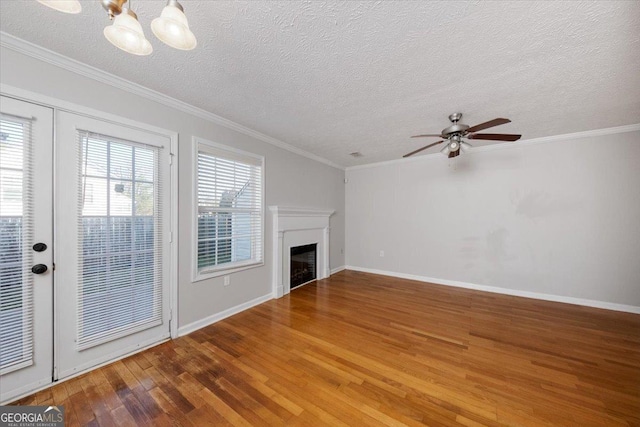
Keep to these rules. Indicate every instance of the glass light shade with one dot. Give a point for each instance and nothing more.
(172, 29)
(126, 34)
(66, 6)
(453, 146)
(464, 146)
(446, 150)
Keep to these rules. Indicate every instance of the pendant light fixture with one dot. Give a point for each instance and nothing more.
(172, 27)
(66, 6)
(126, 32)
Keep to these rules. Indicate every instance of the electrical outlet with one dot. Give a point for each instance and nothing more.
(382, 254)
(227, 280)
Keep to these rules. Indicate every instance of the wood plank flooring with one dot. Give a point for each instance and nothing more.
(360, 349)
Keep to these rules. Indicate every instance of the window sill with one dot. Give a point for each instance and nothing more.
(210, 274)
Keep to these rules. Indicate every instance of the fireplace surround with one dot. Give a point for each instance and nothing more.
(293, 226)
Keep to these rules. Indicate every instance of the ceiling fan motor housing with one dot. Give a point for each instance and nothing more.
(454, 129)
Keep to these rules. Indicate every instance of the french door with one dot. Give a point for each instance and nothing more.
(26, 243)
(84, 275)
(112, 242)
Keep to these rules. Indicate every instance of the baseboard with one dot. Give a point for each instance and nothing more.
(337, 269)
(494, 289)
(199, 324)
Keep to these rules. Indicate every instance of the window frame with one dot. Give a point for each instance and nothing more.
(217, 271)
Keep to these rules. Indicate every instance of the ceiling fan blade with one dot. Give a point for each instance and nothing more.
(495, 136)
(454, 153)
(423, 148)
(489, 124)
(426, 135)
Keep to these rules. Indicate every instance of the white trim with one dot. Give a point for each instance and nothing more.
(199, 140)
(199, 324)
(294, 211)
(38, 52)
(287, 220)
(173, 212)
(116, 355)
(26, 48)
(26, 390)
(80, 110)
(496, 290)
(36, 387)
(60, 105)
(197, 276)
(503, 145)
(337, 269)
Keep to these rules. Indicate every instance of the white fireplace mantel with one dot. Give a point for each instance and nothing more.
(293, 226)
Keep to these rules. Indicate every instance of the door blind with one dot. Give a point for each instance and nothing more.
(16, 239)
(120, 239)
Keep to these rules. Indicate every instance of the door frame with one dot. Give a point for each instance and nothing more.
(70, 107)
(37, 152)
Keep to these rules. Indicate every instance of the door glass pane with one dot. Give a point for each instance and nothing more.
(16, 227)
(120, 280)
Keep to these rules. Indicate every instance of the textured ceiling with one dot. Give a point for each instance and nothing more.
(336, 77)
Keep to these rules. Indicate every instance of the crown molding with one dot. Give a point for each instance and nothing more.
(38, 52)
(506, 145)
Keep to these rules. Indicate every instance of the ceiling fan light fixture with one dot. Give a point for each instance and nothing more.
(126, 33)
(465, 147)
(66, 6)
(172, 27)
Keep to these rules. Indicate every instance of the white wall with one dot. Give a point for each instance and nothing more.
(291, 179)
(558, 218)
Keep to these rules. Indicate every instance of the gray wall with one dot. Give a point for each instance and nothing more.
(291, 180)
(557, 218)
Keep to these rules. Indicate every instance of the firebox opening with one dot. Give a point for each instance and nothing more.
(303, 265)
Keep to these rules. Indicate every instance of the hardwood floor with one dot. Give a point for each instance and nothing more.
(360, 349)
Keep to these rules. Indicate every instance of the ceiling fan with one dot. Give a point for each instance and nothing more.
(454, 134)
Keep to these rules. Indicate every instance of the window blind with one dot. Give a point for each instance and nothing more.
(16, 239)
(120, 239)
(230, 213)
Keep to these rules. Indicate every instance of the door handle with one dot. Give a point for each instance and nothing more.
(39, 269)
(40, 247)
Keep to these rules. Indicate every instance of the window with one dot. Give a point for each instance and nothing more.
(229, 220)
(120, 281)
